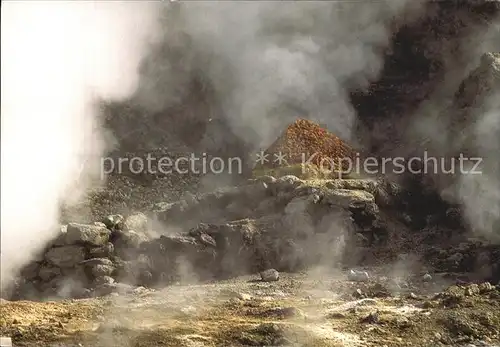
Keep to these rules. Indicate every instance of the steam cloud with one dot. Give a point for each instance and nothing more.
(269, 63)
(469, 124)
(57, 58)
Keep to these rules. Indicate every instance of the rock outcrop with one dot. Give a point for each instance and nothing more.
(267, 223)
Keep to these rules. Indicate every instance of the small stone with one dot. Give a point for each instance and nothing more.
(427, 278)
(269, 275)
(372, 318)
(412, 296)
(358, 294)
(188, 310)
(244, 296)
(104, 280)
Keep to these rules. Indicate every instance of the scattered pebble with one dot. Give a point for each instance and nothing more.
(412, 296)
(427, 278)
(270, 275)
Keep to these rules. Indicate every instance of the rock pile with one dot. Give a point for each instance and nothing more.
(267, 223)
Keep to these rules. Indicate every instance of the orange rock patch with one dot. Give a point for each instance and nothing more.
(305, 139)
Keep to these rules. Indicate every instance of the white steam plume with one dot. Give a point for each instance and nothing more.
(56, 58)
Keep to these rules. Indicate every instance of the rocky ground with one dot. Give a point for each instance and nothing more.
(306, 309)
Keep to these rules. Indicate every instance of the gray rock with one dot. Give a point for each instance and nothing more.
(345, 197)
(87, 234)
(113, 222)
(65, 256)
(99, 267)
(109, 288)
(269, 275)
(99, 281)
(127, 243)
(101, 270)
(102, 252)
(427, 278)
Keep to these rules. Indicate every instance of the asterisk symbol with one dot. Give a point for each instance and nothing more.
(280, 158)
(262, 158)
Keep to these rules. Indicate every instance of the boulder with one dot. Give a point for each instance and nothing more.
(65, 256)
(98, 267)
(92, 235)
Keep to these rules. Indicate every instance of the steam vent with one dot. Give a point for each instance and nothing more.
(307, 144)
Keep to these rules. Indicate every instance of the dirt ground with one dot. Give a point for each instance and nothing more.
(313, 309)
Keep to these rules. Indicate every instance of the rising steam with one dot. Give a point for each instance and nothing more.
(269, 63)
(57, 58)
